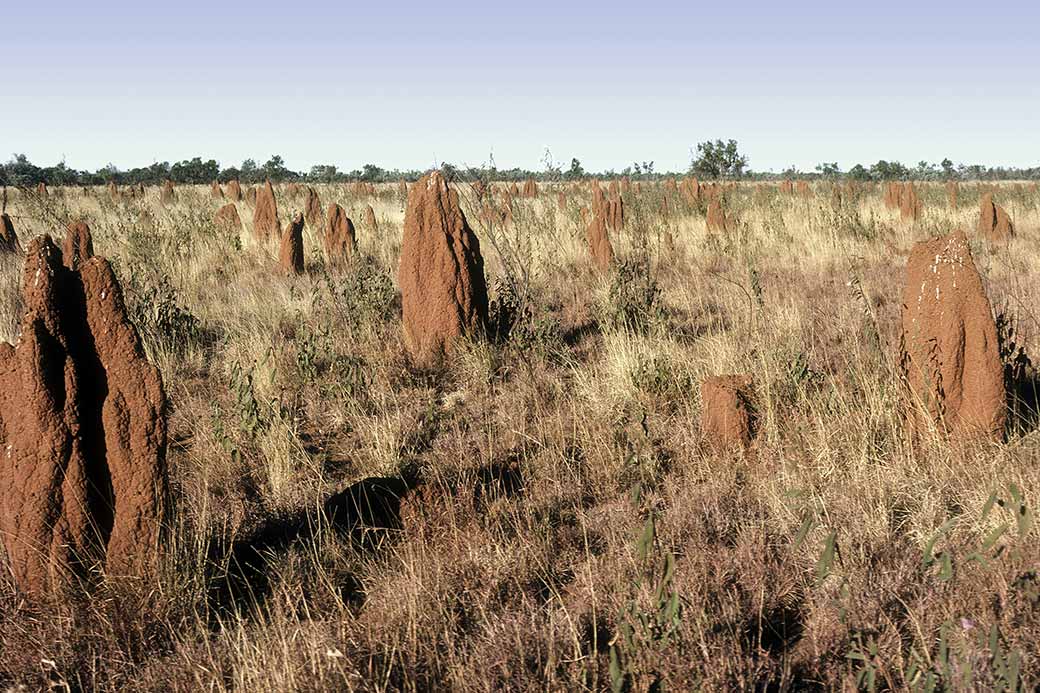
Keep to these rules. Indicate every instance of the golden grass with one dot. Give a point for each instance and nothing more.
(516, 553)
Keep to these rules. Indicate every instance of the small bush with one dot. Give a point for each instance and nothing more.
(365, 292)
(162, 321)
(633, 302)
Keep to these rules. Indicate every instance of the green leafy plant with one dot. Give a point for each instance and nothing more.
(155, 310)
(363, 292)
(247, 408)
(646, 628)
(633, 302)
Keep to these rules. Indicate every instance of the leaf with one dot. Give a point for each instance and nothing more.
(993, 537)
(1023, 515)
(646, 540)
(617, 678)
(929, 548)
(823, 566)
(946, 567)
(669, 569)
(672, 613)
(803, 531)
(1016, 495)
(637, 494)
(989, 504)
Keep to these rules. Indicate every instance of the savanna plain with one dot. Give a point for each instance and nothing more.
(541, 508)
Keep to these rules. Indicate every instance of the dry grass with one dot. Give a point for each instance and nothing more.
(534, 466)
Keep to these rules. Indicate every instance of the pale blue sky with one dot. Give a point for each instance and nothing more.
(404, 84)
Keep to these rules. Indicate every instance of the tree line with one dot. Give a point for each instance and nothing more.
(711, 160)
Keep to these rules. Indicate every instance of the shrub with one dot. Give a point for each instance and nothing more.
(633, 302)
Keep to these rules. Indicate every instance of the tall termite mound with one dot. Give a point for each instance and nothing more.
(691, 190)
(371, 226)
(8, 238)
(609, 206)
(312, 209)
(290, 253)
(79, 244)
(83, 479)
(443, 291)
(949, 353)
(909, 203)
(716, 218)
(265, 216)
(227, 218)
(340, 239)
(167, 195)
(994, 223)
(234, 191)
(600, 248)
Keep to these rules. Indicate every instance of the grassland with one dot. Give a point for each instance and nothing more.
(561, 524)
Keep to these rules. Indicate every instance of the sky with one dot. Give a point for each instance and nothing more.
(412, 85)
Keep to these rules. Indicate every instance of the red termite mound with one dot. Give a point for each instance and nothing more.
(951, 193)
(215, 192)
(443, 290)
(340, 240)
(994, 222)
(893, 195)
(599, 242)
(909, 204)
(8, 237)
(234, 191)
(370, 220)
(610, 206)
(312, 209)
(727, 417)
(290, 254)
(227, 218)
(82, 419)
(716, 219)
(265, 217)
(691, 190)
(949, 352)
(530, 188)
(167, 194)
(79, 244)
